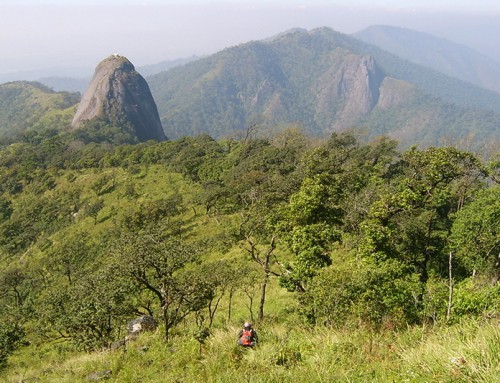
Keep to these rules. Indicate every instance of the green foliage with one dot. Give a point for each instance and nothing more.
(34, 216)
(411, 220)
(5, 209)
(435, 300)
(475, 298)
(30, 105)
(94, 208)
(475, 234)
(102, 131)
(199, 233)
(310, 244)
(373, 293)
(153, 212)
(11, 338)
(70, 257)
(158, 261)
(89, 320)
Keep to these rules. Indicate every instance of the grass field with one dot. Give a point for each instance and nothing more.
(467, 352)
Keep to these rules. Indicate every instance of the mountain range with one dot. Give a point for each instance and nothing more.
(320, 80)
(454, 60)
(323, 81)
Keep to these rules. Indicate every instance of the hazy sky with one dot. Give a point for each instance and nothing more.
(79, 33)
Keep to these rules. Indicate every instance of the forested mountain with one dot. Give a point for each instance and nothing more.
(31, 105)
(452, 59)
(320, 81)
(356, 258)
(323, 81)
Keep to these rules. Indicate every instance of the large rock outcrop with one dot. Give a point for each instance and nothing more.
(118, 94)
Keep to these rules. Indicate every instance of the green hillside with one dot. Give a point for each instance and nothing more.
(316, 80)
(339, 251)
(31, 105)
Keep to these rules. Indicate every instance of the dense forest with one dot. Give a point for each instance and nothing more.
(202, 234)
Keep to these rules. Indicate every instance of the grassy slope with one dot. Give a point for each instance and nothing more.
(463, 353)
(288, 351)
(25, 105)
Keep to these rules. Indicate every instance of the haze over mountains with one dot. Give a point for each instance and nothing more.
(77, 79)
(324, 81)
(455, 60)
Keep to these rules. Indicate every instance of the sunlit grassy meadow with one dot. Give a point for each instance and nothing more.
(288, 352)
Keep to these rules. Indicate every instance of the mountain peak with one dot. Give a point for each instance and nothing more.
(116, 62)
(119, 95)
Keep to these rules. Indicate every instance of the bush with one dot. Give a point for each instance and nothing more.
(474, 297)
(374, 293)
(11, 337)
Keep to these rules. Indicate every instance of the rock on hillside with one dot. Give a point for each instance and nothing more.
(120, 95)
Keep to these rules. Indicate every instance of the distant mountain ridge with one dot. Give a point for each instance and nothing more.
(324, 81)
(28, 105)
(320, 80)
(454, 60)
(77, 79)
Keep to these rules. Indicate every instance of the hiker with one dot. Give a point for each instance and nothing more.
(248, 336)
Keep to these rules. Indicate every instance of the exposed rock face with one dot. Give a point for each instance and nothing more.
(347, 91)
(359, 89)
(120, 95)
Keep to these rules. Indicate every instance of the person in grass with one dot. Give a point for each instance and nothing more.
(247, 337)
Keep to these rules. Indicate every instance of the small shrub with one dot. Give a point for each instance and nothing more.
(475, 299)
(288, 356)
(11, 337)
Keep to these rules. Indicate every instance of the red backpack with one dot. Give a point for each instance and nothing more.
(246, 337)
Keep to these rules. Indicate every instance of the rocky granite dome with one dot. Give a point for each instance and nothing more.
(118, 94)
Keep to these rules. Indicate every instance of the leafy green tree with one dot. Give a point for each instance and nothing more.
(308, 234)
(476, 297)
(94, 208)
(36, 214)
(212, 196)
(14, 287)
(71, 255)
(159, 263)
(331, 202)
(5, 209)
(102, 184)
(475, 234)
(89, 312)
(362, 291)
(151, 212)
(412, 218)
(11, 338)
(100, 130)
